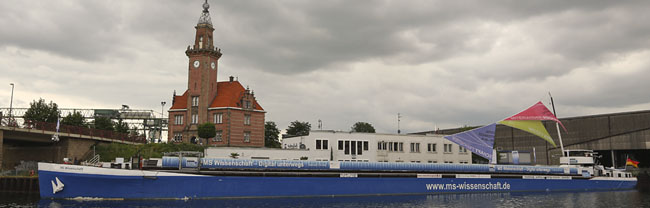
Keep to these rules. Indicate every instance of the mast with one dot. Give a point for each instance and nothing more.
(557, 125)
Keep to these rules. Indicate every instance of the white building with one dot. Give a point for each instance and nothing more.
(358, 147)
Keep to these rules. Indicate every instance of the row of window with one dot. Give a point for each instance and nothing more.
(217, 118)
(391, 146)
(415, 147)
(178, 137)
(352, 147)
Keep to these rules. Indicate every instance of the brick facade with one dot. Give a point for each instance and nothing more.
(241, 120)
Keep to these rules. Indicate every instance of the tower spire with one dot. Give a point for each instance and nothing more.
(205, 17)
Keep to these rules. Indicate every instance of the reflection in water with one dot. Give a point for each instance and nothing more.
(515, 199)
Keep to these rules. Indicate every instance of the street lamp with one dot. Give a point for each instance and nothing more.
(11, 102)
(162, 112)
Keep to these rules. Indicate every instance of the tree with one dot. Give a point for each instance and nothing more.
(271, 133)
(41, 111)
(103, 123)
(121, 126)
(363, 127)
(298, 128)
(206, 131)
(74, 119)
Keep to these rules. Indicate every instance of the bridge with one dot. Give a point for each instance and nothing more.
(34, 142)
(144, 122)
(22, 140)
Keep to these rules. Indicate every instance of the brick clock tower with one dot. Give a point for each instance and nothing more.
(238, 118)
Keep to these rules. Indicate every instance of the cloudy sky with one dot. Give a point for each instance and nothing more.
(439, 64)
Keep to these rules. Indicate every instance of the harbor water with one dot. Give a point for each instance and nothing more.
(630, 198)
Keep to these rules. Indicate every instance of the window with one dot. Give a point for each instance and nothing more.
(365, 145)
(353, 144)
(195, 101)
(384, 146)
(247, 136)
(247, 104)
(326, 144)
(401, 146)
(431, 147)
(415, 147)
(347, 148)
(390, 146)
(318, 144)
(449, 161)
(359, 147)
(178, 119)
(447, 148)
(218, 118)
(247, 119)
(432, 161)
(379, 145)
(200, 42)
(178, 137)
(340, 145)
(218, 136)
(462, 149)
(195, 118)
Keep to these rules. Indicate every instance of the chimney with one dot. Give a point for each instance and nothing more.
(231, 78)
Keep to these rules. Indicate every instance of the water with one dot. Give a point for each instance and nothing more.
(528, 199)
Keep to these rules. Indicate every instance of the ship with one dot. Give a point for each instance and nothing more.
(192, 177)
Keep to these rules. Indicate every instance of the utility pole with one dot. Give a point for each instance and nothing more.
(11, 102)
(162, 116)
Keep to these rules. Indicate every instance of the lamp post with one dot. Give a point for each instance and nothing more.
(162, 112)
(11, 102)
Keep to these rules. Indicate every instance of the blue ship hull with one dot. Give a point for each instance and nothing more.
(82, 181)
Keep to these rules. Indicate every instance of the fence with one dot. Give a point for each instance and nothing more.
(45, 126)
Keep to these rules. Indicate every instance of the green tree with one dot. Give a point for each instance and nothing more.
(74, 119)
(41, 111)
(103, 123)
(206, 131)
(363, 127)
(271, 133)
(298, 128)
(121, 126)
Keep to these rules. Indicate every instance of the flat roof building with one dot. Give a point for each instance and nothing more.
(323, 145)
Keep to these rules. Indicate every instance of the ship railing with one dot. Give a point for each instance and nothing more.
(93, 161)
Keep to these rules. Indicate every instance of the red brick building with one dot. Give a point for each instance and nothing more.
(237, 116)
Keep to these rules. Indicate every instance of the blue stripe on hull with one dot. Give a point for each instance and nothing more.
(104, 186)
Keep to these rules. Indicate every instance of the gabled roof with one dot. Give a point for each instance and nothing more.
(180, 102)
(228, 95)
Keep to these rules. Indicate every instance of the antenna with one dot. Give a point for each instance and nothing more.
(320, 124)
(398, 120)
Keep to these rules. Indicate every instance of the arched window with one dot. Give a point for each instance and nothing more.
(200, 42)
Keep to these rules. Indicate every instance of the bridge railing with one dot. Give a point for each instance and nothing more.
(83, 131)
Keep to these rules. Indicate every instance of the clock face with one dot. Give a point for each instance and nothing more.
(213, 65)
(196, 64)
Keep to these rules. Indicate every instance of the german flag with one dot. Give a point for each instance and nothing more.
(632, 163)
